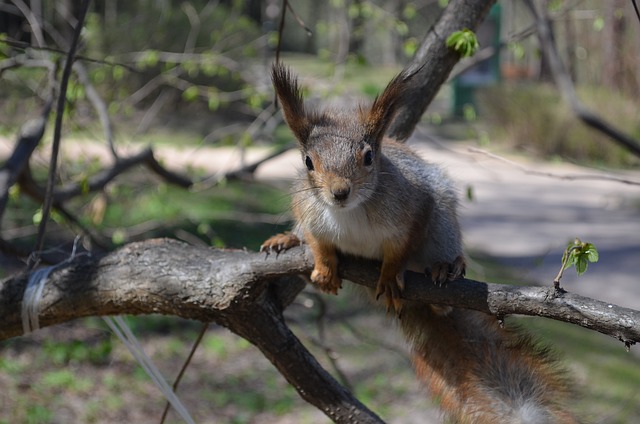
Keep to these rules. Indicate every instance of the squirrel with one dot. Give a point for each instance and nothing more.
(364, 194)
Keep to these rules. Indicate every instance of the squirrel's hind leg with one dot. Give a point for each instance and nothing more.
(391, 281)
(442, 272)
(392, 290)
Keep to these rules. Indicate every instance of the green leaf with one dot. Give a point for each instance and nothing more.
(214, 102)
(410, 46)
(117, 72)
(591, 253)
(598, 24)
(37, 217)
(84, 184)
(581, 266)
(150, 58)
(579, 254)
(191, 93)
(409, 12)
(464, 42)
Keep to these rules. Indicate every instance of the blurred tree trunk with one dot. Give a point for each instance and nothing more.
(357, 23)
(571, 42)
(397, 39)
(545, 74)
(613, 44)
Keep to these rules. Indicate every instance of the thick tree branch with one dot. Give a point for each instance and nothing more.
(170, 277)
(434, 61)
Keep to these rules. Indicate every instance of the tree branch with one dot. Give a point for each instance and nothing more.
(434, 61)
(173, 278)
(100, 180)
(28, 139)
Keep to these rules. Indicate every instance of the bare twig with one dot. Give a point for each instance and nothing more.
(25, 46)
(55, 148)
(98, 104)
(36, 28)
(283, 15)
(570, 177)
(100, 180)
(176, 383)
(298, 19)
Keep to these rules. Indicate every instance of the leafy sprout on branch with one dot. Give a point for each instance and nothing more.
(578, 254)
(464, 42)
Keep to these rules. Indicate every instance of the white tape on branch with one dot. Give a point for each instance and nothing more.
(32, 297)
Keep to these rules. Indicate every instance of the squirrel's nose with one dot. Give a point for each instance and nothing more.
(340, 192)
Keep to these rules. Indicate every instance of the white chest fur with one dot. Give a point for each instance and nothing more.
(352, 232)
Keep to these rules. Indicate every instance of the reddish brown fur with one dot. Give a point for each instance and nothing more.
(468, 363)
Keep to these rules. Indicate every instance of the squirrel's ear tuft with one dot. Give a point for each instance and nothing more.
(378, 118)
(290, 97)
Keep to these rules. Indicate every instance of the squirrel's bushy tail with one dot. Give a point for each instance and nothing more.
(482, 373)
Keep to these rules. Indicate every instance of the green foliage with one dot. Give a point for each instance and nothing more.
(464, 42)
(62, 353)
(36, 414)
(4, 47)
(579, 254)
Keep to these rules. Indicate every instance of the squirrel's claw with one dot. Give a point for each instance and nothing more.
(279, 243)
(392, 289)
(442, 273)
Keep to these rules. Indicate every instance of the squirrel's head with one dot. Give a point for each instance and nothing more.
(340, 149)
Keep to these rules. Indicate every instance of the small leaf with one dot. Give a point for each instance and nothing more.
(410, 46)
(591, 252)
(464, 42)
(409, 12)
(581, 266)
(191, 93)
(598, 24)
(579, 254)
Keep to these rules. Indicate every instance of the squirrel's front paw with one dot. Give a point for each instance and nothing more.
(326, 279)
(280, 243)
(442, 273)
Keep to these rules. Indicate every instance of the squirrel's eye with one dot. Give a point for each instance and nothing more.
(368, 158)
(309, 163)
